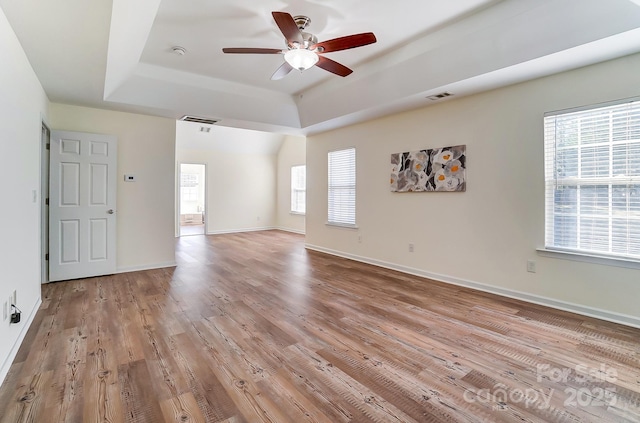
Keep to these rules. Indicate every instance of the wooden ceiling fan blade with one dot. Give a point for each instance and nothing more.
(282, 71)
(333, 66)
(345, 43)
(250, 50)
(288, 27)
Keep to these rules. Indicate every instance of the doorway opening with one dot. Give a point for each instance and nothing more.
(192, 199)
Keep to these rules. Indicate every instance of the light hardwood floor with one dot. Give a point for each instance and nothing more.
(254, 328)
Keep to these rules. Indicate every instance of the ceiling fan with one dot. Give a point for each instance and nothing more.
(303, 49)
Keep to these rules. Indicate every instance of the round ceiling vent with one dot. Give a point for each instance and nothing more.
(180, 51)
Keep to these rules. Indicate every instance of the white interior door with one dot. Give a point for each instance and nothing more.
(82, 205)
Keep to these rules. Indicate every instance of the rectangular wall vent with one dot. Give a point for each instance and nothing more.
(196, 119)
(439, 96)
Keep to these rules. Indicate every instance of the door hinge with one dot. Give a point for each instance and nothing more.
(48, 146)
(46, 201)
(46, 256)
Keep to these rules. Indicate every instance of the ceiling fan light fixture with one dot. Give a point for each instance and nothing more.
(300, 58)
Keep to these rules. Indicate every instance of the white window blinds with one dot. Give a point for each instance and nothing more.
(298, 189)
(592, 180)
(342, 187)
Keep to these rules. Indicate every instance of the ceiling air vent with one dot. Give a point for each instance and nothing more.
(439, 96)
(196, 119)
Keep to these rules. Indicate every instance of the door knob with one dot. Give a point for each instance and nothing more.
(110, 211)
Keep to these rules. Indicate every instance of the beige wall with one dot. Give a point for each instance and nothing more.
(485, 236)
(23, 106)
(145, 208)
(248, 176)
(292, 153)
(241, 174)
(240, 189)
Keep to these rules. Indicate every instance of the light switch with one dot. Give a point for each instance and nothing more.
(129, 178)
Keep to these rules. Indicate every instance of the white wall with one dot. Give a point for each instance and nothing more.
(23, 106)
(145, 208)
(241, 175)
(292, 153)
(482, 237)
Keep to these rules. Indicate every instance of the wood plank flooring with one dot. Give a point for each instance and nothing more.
(254, 328)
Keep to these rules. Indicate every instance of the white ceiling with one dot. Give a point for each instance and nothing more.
(226, 140)
(116, 54)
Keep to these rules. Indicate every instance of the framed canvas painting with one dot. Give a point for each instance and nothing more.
(437, 169)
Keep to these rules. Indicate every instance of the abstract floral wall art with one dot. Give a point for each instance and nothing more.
(438, 169)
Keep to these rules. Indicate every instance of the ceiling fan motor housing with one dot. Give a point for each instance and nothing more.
(308, 41)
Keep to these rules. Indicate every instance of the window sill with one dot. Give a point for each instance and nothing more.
(590, 258)
(341, 225)
(297, 213)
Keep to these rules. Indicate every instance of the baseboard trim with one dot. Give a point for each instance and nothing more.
(295, 231)
(146, 267)
(609, 316)
(235, 231)
(4, 370)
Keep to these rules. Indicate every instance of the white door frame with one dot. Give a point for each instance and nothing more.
(179, 197)
(45, 136)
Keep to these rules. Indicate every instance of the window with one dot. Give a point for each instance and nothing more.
(298, 189)
(342, 187)
(189, 186)
(592, 180)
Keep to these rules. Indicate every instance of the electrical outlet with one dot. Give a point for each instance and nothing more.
(411, 247)
(531, 266)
